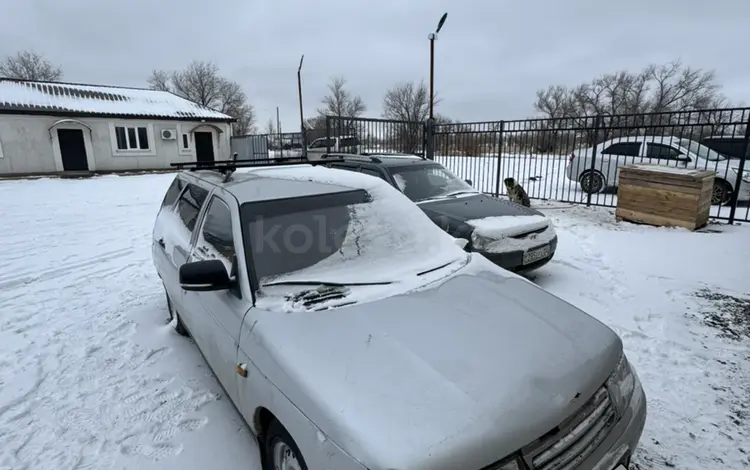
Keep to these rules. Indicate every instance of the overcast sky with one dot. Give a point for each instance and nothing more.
(491, 57)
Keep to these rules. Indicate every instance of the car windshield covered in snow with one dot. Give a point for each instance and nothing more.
(343, 237)
(422, 182)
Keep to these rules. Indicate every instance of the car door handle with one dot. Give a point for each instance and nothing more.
(161, 242)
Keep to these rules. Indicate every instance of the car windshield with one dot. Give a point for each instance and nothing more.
(345, 237)
(422, 182)
(701, 150)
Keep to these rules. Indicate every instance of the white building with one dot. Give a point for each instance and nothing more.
(50, 127)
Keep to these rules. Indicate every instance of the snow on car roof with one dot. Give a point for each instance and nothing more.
(36, 97)
(263, 183)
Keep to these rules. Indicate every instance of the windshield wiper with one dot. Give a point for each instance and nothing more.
(326, 283)
(435, 269)
(458, 193)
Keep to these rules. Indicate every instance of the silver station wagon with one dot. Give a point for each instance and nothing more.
(351, 332)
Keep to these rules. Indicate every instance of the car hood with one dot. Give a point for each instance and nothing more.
(455, 376)
(474, 207)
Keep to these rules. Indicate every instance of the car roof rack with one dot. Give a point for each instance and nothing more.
(395, 154)
(227, 167)
(364, 157)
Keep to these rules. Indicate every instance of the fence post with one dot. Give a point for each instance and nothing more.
(329, 120)
(740, 171)
(429, 135)
(594, 140)
(304, 143)
(498, 172)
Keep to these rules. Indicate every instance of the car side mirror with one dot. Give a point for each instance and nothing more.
(469, 182)
(461, 242)
(203, 276)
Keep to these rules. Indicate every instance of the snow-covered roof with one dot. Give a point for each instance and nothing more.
(70, 99)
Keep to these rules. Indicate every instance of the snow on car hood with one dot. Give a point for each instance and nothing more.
(506, 233)
(467, 371)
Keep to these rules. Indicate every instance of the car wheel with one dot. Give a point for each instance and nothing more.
(722, 193)
(282, 452)
(592, 182)
(179, 327)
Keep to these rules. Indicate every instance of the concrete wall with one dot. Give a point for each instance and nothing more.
(29, 144)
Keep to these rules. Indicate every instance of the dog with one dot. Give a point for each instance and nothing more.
(516, 193)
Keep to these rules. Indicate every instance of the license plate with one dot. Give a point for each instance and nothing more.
(535, 255)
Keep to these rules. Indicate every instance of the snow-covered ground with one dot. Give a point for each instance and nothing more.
(92, 377)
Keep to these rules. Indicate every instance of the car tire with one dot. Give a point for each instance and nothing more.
(179, 327)
(592, 182)
(722, 193)
(281, 451)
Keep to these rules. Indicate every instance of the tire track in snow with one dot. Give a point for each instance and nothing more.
(26, 278)
(75, 390)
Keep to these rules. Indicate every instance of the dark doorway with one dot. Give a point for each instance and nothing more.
(72, 150)
(204, 147)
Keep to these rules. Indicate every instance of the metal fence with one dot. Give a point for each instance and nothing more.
(269, 146)
(364, 135)
(574, 159)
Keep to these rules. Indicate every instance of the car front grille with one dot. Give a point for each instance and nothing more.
(527, 234)
(566, 446)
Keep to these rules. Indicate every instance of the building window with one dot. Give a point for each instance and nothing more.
(1, 150)
(132, 138)
(185, 142)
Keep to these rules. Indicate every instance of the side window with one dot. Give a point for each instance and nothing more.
(174, 190)
(372, 172)
(216, 235)
(319, 143)
(189, 205)
(349, 142)
(661, 151)
(629, 149)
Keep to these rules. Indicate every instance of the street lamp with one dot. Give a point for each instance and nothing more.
(432, 38)
(301, 114)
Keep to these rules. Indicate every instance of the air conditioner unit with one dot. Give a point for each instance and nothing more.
(168, 134)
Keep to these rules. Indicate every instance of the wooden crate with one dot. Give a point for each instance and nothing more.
(664, 196)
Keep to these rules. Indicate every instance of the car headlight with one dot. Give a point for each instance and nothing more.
(745, 174)
(621, 384)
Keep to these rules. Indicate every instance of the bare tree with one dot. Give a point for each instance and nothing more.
(270, 126)
(657, 88)
(27, 65)
(201, 83)
(316, 123)
(623, 98)
(407, 102)
(340, 102)
(160, 80)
